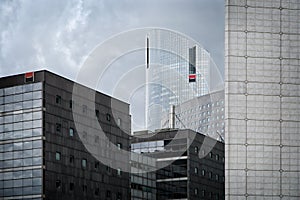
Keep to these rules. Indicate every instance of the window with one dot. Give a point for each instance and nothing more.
(84, 108)
(196, 149)
(196, 170)
(58, 184)
(217, 177)
(72, 159)
(203, 193)
(119, 145)
(58, 99)
(71, 186)
(210, 175)
(196, 191)
(97, 113)
(84, 188)
(119, 172)
(108, 194)
(71, 104)
(71, 132)
(119, 122)
(210, 154)
(58, 127)
(97, 191)
(217, 196)
(119, 196)
(108, 117)
(83, 163)
(97, 165)
(203, 172)
(57, 156)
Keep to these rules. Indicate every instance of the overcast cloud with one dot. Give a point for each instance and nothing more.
(57, 35)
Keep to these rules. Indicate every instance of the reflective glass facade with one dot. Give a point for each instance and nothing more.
(168, 74)
(43, 154)
(21, 144)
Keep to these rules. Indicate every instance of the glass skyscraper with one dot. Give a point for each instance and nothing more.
(179, 70)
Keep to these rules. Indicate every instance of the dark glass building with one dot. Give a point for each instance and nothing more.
(44, 156)
(189, 165)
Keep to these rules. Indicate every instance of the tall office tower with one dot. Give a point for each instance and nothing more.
(43, 155)
(262, 112)
(178, 69)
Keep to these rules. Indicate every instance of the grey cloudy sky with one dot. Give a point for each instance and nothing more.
(57, 35)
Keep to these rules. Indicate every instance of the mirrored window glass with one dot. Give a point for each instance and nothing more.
(37, 115)
(27, 125)
(27, 145)
(18, 146)
(9, 91)
(8, 107)
(18, 106)
(37, 152)
(18, 163)
(27, 133)
(27, 116)
(27, 104)
(27, 96)
(37, 161)
(8, 119)
(37, 103)
(18, 89)
(37, 132)
(37, 144)
(37, 123)
(8, 127)
(17, 134)
(27, 88)
(37, 95)
(18, 118)
(18, 97)
(27, 161)
(37, 86)
(18, 126)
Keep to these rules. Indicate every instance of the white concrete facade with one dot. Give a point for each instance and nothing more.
(262, 99)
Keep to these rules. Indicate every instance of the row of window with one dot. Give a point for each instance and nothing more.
(84, 135)
(21, 89)
(72, 187)
(202, 107)
(211, 155)
(211, 176)
(211, 195)
(84, 163)
(58, 100)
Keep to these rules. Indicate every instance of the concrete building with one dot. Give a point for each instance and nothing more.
(204, 114)
(262, 112)
(189, 165)
(42, 153)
